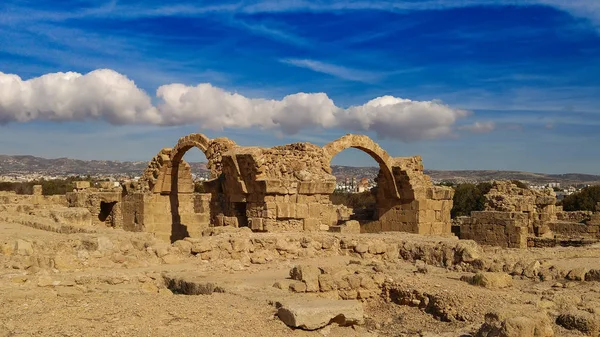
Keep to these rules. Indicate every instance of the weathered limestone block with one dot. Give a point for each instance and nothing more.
(302, 211)
(516, 325)
(504, 229)
(256, 224)
(286, 210)
(307, 274)
(490, 280)
(312, 314)
(348, 227)
(75, 216)
(311, 225)
(23, 247)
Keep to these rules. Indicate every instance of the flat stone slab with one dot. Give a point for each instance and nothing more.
(312, 314)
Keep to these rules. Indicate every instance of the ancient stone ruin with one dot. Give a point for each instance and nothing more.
(271, 255)
(284, 188)
(517, 217)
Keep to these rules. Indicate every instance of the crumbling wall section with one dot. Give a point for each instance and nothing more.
(104, 206)
(420, 206)
(505, 196)
(510, 208)
(504, 229)
(285, 188)
(37, 198)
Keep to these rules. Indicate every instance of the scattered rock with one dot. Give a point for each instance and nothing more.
(326, 283)
(312, 314)
(532, 270)
(284, 285)
(191, 285)
(421, 266)
(593, 275)
(580, 320)
(44, 281)
(184, 246)
(201, 247)
(307, 274)
(105, 244)
(297, 287)
(577, 274)
(361, 248)
(23, 247)
(171, 259)
(510, 325)
(490, 280)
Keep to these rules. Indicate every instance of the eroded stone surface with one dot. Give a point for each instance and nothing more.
(312, 314)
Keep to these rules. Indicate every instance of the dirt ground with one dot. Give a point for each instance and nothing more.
(113, 284)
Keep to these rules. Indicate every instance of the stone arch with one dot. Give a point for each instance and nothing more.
(369, 146)
(196, 140)
(212, 149)
(181, 187)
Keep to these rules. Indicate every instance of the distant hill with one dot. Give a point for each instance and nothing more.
(67, 166)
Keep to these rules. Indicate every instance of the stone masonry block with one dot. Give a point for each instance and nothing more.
(311, 225)
(302, 211)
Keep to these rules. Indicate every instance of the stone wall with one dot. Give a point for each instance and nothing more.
(154, 213)
(37, 198)
(508, 197)
(575, 230)
(52, 209)
(284, 188)
(104, 206)
(577, 216)
(512, 211)
(504, 229)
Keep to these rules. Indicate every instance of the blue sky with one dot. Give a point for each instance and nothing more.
(507, 85)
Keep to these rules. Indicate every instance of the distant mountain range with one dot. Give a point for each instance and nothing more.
(67, 166)
(459, 176)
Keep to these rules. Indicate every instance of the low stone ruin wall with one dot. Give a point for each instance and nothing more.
(575, 229)
(155, 213)
(12, 198)
(104, 206)
(577, 216)
(503, 229)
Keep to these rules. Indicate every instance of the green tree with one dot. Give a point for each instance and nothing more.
(354, 200)
(469, 198)
(584, 200)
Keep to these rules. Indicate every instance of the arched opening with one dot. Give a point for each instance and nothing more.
(196, 194)
(192, 192)
(359, 178)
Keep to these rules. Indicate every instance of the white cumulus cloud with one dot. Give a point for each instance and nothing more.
(100, 94)
(107, 95)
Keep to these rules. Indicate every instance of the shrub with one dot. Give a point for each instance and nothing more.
(584, 200)
(469, 198)
(361, 200)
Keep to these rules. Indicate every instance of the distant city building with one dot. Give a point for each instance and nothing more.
(363, 185)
